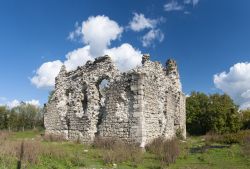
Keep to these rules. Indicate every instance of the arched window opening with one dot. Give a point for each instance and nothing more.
(103, 85)
(84, 100)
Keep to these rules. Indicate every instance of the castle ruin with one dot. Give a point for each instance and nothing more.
(97, 100)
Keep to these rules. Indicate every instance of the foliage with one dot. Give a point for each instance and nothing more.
(196, 107)
(245, 118)
(24, 116)
(228, 138)
(39, 154)
(211, 113)
(3, 117)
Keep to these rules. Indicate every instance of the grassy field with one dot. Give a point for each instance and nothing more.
(39, 153)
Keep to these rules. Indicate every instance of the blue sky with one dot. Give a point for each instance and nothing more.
(206, 37)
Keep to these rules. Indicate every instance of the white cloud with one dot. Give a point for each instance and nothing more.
(151, 36)
(98, 32)
(45, 75)
(15, 103)
(125, 56)
(139, 22)
(77, 58)
(173, 6)
(33, 102)
(77, 33)
(246, 94)
(193, 2)
(236, 83)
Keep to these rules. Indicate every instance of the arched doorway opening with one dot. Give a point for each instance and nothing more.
(102, 86)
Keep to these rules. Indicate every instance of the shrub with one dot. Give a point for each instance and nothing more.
(166, 150)
(54, 137)
(229, 138)
(246, 146)
(4, 135)
(179, 134)
(77, 160)
(116, 151)
(245, 119)
(104, 143)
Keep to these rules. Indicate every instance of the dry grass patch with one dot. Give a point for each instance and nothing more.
(246, 146)
(54, 137)
(117, 151)
(166, 150)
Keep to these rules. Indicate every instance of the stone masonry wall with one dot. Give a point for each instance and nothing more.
(136, 106)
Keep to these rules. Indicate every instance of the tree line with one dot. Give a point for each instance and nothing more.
(22, 117)
(215, 113)
(205, 113)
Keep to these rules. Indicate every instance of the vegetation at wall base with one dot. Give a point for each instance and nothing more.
(219, 139)
(40, 152)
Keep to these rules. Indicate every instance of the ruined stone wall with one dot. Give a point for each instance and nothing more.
(138, 105)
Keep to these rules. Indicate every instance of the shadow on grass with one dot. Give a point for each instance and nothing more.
(204, 148)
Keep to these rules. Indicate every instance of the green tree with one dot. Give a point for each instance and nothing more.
(216, 113)
(26, 116)
(223, 114)
(197, 105)
(245, 119)
(3, 117)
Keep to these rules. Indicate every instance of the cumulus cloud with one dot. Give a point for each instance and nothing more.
(140, 22)
(151, 36)
(97, 33)
(76, 34)
(192, 2)
(125, 56)
(173, 6)
(33, 102)
(46, 73)
(15, 103)
(236, 83)
(77, 58)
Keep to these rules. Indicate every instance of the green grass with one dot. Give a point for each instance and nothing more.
(25, 134)
(214, 158)
(72, 155)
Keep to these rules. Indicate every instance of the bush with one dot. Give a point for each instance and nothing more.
(245, 119)
(166, 150)
(116, 151)
(229, 138)
(54, 137)
(104, 143)
(179, 134)
(246, 146)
